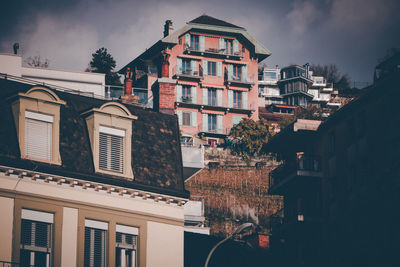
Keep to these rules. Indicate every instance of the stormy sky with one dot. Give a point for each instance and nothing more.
(354, 34)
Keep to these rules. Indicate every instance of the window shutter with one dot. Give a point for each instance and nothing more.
(230, 72)
(193, 65)
(202, 42)
(194, 118)
(244, 73)
(205, 122)
(187, 40)
(205, 67)
(205, 96)
(193, 93)
(230, 98)
(179, 93)
(221, 43)
(180, 114)
(219, 69)
(244, 99)
(235, 46)
(38, 139)
(111, 155)
(219, 123)
(219, 98)
(178, 65)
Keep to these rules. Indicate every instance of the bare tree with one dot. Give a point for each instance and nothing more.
(37, 62)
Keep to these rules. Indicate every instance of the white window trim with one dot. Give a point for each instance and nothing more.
(112, 131)
(96, 224)
(39, 116)
(38, 216)
(127, 229)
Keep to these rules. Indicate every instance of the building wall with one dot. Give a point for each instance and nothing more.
(6, 226)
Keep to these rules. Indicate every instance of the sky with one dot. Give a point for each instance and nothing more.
(353, 34)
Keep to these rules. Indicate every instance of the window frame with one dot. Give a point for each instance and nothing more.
(237, 99)
(237, 72)
(212, 96)
(211, 68)
(194, 42)
(186, 118)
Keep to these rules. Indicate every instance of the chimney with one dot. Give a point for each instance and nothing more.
(16, 47)
(128, 97)
(168, 27)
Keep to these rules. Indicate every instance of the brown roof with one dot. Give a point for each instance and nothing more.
(156, 154)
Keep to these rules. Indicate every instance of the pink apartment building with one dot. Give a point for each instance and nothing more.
(206, 73)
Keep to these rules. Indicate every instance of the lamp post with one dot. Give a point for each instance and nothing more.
(240, 230)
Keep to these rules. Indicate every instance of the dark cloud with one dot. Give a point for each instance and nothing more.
(354, 34)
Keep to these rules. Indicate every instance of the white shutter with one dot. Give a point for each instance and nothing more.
(193, 93)
(187, 40)
(193, 65)
(194, 118)
(205, 96)
(244, 99)
(202, 42)
(111, 152)
(219, 123)
(38, 139)
(221, 43)
(205, 123)
(205, 67)
(230, 72)
(230, 98)
(244, 73)
(219, 69)
(178, 65)
(179, 93)
(180, 114)
(219, 98)
(235, 46)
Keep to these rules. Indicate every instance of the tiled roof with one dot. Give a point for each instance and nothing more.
(207, 20)
(156, 154)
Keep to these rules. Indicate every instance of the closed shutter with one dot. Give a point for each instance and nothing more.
(244, 73)
(179, 113)
(187, 40)
(38, 136)
(219, 98)
(111, 149)
(178, 65)
(205, 96)
(221, 43)
(205, 67)
(193, 93)
(179, 93)
(219, 123)
(230, 98)
(205, 123)
(219, 69)
(230, 72)
(244, 99)
(202, 42)
(194, 118)
(235, 46)
(193, 65)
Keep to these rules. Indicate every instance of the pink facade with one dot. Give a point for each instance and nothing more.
(213, 70)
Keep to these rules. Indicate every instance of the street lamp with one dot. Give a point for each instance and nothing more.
(240, 230)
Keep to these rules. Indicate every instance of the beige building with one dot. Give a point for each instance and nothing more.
(87, 182)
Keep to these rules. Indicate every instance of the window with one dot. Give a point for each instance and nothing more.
(186, 93)
(186, 66)
(212, 97)
(186, 115)
(237, 72)
(38, 135)
(36, 238)
(95, 243)
(269, 75)
(187, 141)
(228, 47)
(194, 42)
(237, 99)
(212, 68)
(126, 246)
(212, 122)
(111, 155)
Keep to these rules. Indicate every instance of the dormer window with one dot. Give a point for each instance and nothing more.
(110, 132)
(37, 120)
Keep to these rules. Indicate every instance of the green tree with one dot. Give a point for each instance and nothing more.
(103, 62)
(248, 137)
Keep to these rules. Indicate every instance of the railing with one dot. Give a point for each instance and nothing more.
(186, 99)
(215, 50)
(249, 79)
(198, 73)
(310, 164)
(115, 92)
(212, 130)
(12, 264)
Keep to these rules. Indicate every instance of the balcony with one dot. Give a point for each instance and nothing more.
(302, 171)
(212, 51)
(212, 131)
(188, 73)
(239, 80)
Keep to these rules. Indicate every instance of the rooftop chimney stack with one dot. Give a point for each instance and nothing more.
(168, 27)
(128, 97)
(16, 47)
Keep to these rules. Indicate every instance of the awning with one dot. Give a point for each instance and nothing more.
(237, 88)
(212, 86)
(187, 83)
(207, 111)
(234, 62)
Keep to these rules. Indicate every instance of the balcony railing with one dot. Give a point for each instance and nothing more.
(186, 99)
(213, 50)
(188, 72)
(239, 79)
(214, 130)
(304, 166)
(12, 264)
(114, 92)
